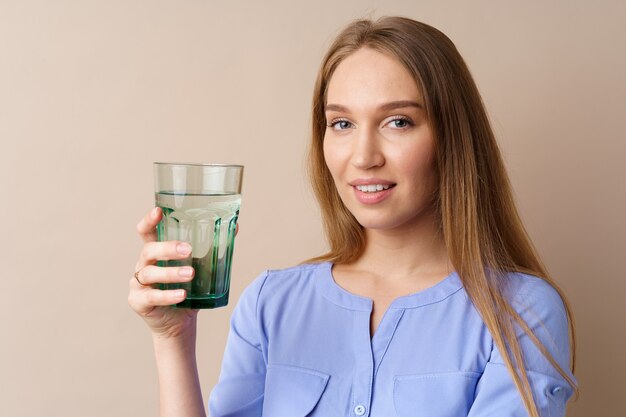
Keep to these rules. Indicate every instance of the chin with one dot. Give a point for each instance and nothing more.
(389, 220)
(380, 224)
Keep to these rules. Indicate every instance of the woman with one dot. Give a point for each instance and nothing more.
(431, 301)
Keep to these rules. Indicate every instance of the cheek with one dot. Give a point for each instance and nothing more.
(419, 164)
(331, 157)
(426, 176)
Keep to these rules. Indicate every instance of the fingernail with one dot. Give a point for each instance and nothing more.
(186, 271)
(180, 293)
(184, 248)
(155, 212)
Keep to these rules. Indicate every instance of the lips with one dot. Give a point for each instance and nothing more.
(372, 190)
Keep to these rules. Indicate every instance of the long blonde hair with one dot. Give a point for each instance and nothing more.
(475, 207)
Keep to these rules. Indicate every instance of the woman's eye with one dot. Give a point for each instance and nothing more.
(400, 123)
(340, 124)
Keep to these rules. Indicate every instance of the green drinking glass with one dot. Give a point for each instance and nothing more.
(200, 204)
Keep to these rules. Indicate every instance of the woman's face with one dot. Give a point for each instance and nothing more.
(378, 145)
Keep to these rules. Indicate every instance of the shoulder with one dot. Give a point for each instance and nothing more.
(528, 292)
(275, 285)
(294, 275)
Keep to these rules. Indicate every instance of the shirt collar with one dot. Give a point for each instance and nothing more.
(332, 291)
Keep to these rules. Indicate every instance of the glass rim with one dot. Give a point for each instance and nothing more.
(208, 165)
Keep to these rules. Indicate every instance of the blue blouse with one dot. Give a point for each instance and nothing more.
(299, 345)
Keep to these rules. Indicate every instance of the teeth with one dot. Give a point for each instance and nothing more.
(371, 188)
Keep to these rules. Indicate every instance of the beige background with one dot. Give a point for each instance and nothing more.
(92, 92)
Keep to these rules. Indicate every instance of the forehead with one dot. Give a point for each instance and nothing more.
(369, 77)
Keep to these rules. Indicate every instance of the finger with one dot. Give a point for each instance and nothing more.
(147, 226)
(143, 302)
(163, 251)
(152, 274)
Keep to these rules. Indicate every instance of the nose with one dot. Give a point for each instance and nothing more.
(367, 152)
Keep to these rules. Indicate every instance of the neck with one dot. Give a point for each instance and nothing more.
(408, 251)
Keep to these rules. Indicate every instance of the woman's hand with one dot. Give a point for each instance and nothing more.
(150, 303)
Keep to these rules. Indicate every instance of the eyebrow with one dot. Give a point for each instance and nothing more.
(387, 106)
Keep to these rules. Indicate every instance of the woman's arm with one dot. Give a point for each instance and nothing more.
(542, 309)
(179, 386)
(173, 329)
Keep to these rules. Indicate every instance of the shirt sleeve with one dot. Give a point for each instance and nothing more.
(540, 305)
(239, 391)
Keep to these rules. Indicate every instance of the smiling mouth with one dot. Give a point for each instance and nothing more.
(373, 188)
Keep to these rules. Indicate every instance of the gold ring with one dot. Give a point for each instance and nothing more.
(137, 278)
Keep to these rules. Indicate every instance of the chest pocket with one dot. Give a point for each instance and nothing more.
(447, 394)
(291, 391)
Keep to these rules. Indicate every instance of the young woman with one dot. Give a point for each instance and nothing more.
(431, 301)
